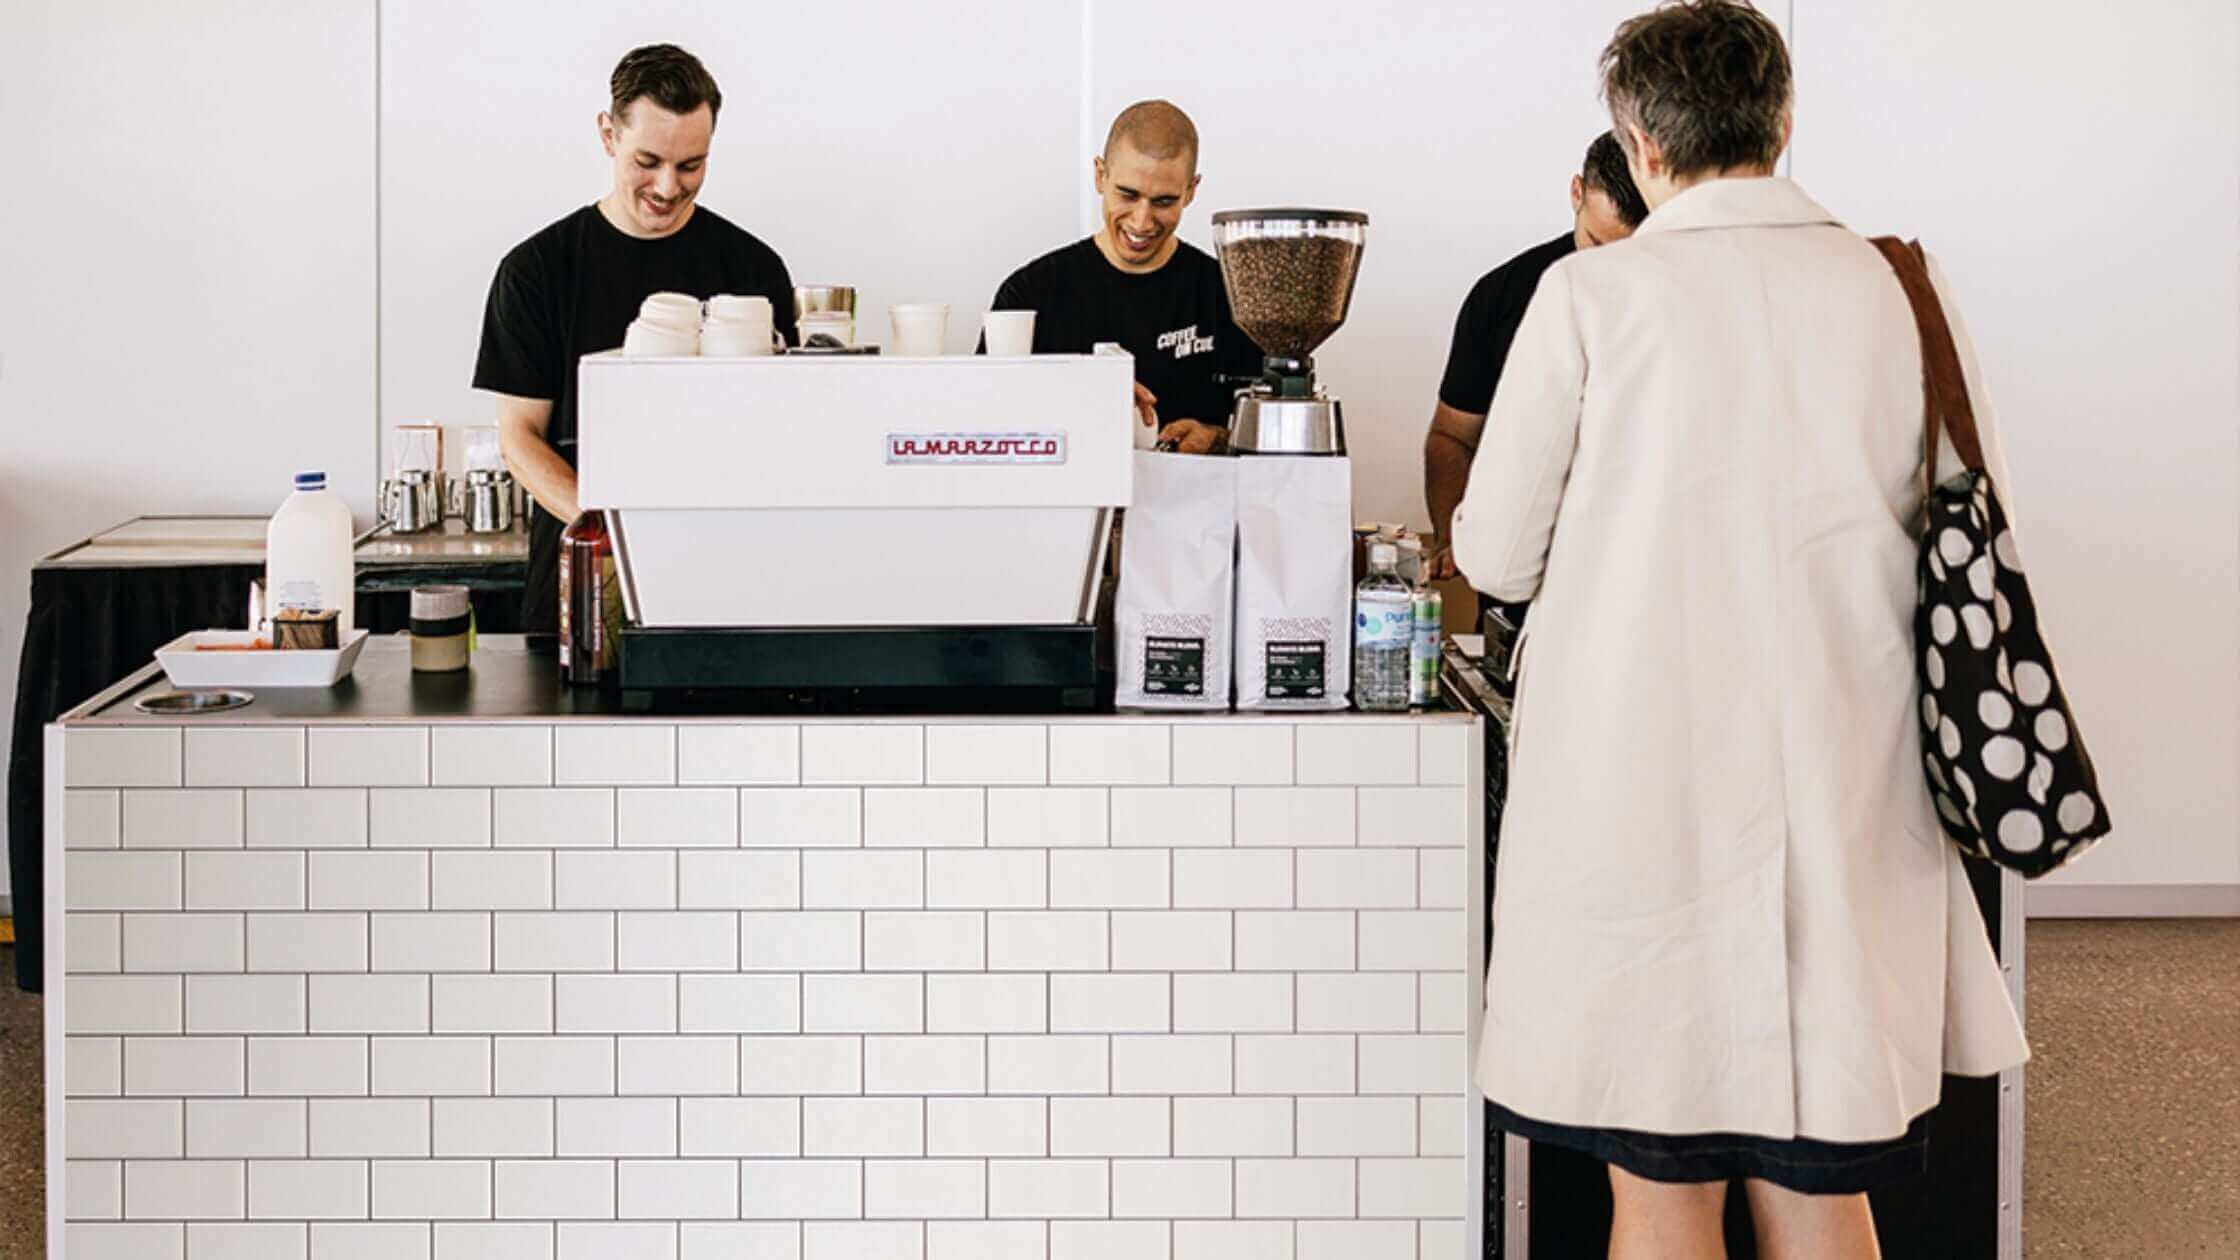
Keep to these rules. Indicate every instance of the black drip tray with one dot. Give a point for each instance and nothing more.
(863, 668)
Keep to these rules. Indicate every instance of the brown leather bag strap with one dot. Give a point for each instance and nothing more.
(1944, 386)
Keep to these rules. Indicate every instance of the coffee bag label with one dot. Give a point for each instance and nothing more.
(1174, 666)
(1297, 670)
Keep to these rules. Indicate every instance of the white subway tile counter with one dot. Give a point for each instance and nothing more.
(528, 983)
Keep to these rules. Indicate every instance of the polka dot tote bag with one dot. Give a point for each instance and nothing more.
(2007, 767)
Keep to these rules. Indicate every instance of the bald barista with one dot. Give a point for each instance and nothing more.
(1138, 284)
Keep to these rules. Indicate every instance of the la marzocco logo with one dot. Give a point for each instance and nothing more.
(976, 448)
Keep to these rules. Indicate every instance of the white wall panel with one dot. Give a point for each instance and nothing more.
(186, 283)
(2073, 166)
(891, 147)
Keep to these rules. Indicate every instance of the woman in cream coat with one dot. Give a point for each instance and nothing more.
(1730, 940)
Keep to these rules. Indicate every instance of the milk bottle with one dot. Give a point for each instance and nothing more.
(307, 562)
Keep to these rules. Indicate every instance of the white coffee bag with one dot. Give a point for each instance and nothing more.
(1177, 583)
(1294, 581)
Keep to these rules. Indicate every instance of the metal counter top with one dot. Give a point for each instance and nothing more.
(508, 682)
(451, 545)
(151, 542)
(505, 682)
(166, 542)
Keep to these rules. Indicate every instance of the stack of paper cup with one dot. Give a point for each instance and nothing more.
(654, 341)
(919, 328)
(1009, 334)
(676, 310)
(737, 326)
(667, 326)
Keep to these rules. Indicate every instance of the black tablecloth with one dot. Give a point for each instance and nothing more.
(87, 629)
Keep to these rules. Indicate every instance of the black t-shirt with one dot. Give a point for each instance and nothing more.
(571, 290)
(1488, 324)
(1175, 321)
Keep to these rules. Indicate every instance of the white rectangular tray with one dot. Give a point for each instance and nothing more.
(189, 668)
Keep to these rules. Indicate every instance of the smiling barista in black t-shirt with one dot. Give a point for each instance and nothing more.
(1136, 283)
(573, 288)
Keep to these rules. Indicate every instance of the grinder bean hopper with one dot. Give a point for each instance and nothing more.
(1289, 273)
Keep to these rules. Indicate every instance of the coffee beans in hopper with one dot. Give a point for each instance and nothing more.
(1289, 293)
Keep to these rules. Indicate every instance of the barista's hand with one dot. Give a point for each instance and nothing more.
(1147, 406)
(1442, 565)
(1194, 437)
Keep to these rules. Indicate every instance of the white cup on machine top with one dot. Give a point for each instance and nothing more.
(680, 311)
(738, 326)
(1010, 334)
(919, 328)
(735, 339)
(649, 340)
(732, 306)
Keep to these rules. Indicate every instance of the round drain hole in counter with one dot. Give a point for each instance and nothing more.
(192, 703)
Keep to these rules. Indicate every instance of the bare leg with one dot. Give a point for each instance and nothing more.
(1793, 1226)
(1655, 1220)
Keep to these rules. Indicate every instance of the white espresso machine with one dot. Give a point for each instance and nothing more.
(861, 529)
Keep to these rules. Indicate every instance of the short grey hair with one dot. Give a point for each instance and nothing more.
(1708, 80)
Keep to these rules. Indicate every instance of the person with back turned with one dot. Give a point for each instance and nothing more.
(1730, 942)
(573, 288)
(1605, 207)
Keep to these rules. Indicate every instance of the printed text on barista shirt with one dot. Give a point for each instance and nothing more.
(1185, 342)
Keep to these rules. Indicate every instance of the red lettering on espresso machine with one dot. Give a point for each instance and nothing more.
(976, 448)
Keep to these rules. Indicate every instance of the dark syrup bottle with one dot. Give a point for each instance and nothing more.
(589, 613)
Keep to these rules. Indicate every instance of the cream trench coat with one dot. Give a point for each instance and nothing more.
(1723, 903)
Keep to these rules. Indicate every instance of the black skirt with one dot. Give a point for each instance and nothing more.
(1800, 1164)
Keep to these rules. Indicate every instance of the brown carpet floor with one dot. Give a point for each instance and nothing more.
(23, 1145)
(2133, 1102)
(2133, 1145)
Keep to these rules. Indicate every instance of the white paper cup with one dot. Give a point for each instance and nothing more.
(839, 325)
(671, 310)
(735, 338)
(734, 306)
(1010, 334)
(919, 328)
(658, 341)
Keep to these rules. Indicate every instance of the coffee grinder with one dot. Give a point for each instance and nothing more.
(1290, 276)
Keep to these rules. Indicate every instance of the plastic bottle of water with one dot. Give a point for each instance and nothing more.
(307, 560)
(1383, 630)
